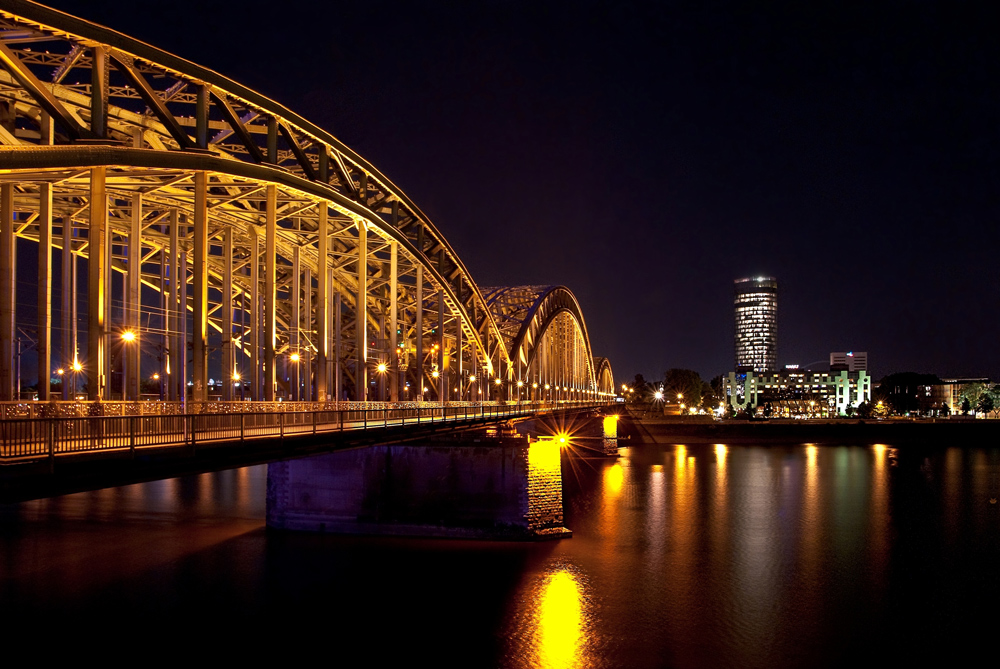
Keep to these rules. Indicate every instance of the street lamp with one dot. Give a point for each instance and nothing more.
(294, 357)
(128, 336)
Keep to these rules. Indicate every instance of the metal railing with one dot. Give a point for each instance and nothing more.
(38, 438)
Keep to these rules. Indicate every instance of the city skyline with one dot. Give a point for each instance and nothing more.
(640, 152)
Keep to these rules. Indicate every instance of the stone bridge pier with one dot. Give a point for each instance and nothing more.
(506, 488)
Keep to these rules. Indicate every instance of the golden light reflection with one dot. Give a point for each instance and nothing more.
(720, 455)
(560, 622)
(614, 476)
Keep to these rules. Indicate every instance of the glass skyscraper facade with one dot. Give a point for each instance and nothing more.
(755, 304)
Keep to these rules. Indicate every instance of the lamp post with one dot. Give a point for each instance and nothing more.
(128, 338)
(294, 358)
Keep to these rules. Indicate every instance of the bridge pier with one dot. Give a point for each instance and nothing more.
(479, 488)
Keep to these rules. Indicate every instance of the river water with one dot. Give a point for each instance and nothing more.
(687, 556)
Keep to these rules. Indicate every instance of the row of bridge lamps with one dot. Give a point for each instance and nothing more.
(129, 337)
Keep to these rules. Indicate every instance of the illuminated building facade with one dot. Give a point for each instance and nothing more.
(755, 304)
(793, 393)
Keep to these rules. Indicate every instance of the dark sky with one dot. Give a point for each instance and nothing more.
(648, 154)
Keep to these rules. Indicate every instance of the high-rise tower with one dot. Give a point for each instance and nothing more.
(756, 307)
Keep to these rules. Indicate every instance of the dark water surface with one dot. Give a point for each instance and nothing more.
(682, 556)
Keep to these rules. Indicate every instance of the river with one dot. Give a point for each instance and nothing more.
(686, 556)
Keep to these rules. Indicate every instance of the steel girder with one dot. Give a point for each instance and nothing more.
(176, 144)
(526, 314)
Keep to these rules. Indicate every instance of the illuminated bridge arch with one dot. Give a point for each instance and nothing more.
(236, 240)
(547, 341)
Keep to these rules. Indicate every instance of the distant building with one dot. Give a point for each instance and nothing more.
(755, 305)
(793, 392)
(852, 361)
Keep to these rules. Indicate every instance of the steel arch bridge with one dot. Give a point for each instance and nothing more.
(223, 236)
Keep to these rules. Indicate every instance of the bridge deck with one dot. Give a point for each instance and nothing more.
(46, 456)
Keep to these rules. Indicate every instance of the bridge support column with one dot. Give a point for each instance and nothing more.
(361, 317)
(307, 354)
(442, 374)
(393, 340)
(7, 302)
(322, 305)
(97, 249)
(133, 349)
(419, 362)
(459, 380)
(68, 299)
(173, 311)
(182, 352)
(294, 330)
(337, 372)
(256, 392)
(228, 359)
(270, 291)
(44, 344)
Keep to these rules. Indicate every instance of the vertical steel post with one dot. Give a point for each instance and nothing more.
(228, 366)
(199, 302)
(173, 310)
(270, 290)
(322, 303)
(134, 301)
(361, 316)
(419, 362)
(393, 326)
(256, 392)
(68, 298)
(294, 327)
(182, 357)
(7, 308)
(44, 344)
(442, 380)
(97, 249)
(337, 376)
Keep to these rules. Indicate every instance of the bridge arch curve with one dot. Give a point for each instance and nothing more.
(547, 340)
(287, 262)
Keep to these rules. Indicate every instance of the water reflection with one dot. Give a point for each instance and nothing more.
(559, 621)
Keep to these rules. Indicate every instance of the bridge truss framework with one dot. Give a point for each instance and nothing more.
(184, 220)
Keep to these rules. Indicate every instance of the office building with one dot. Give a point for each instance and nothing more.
(755, 303)
(799, 393)
(852, 361)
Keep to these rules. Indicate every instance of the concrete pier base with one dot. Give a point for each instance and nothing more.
(487, 489)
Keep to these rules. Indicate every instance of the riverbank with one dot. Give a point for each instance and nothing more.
(667, 430)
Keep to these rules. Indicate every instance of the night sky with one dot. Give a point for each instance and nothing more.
(647, 154)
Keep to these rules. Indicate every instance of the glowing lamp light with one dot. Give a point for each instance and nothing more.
(128, 336)
(77, 366)
(435, 374)
(520, 384)
(472, 377)
(498, 382)
(547, 386)
(294, 357)
(236, 376)
(60, 371)
(382, 367)
(658, 395)
(156, 376)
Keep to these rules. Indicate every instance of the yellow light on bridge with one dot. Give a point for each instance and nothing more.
(382, 367)
(77, 366)
(128, 336)
(60, 371)
(472, 378)
(498, 382)
(435, 374)
(294, 357)
(520, 384)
